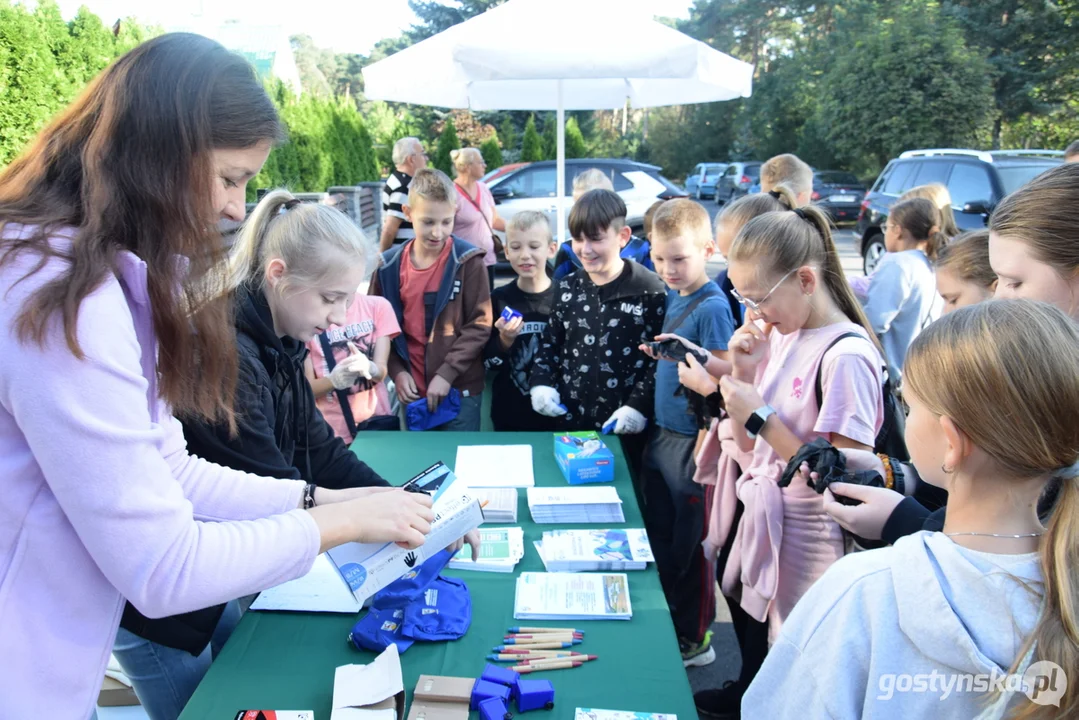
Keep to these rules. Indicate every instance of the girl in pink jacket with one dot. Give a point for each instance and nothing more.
(107, 246)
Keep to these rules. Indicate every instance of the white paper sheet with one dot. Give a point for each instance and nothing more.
(486, 466)
(320, 590)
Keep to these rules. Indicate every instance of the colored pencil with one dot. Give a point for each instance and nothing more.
(545, 630)
(546, 636)
(537, 646)
(544, 661)
(553, 666)
(508, 657)
(533, 641)
(548, 653)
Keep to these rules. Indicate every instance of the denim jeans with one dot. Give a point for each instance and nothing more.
(468, 419)
(165, 678)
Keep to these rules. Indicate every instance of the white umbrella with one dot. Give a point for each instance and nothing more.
(558, 55)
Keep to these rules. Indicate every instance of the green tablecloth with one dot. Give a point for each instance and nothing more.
(286, 661)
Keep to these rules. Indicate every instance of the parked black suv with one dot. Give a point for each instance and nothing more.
(976, 180)
(838, 192)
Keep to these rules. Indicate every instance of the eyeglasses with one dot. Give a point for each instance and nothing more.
(755, 305)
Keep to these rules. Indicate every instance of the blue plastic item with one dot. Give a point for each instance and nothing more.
(509, 313)
(609, 427)
(485, 690)
(534, 695)
(494, 709)
(419, 418)
(502, 676)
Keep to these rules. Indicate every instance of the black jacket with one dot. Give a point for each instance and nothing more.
(590, 349)
(281, 434)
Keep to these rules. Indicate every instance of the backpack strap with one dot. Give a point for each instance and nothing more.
(820, 368)
(671, 326)
(342, 395)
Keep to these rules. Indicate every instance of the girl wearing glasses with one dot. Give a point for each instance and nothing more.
(802, 322)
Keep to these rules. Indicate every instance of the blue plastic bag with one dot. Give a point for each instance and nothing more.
(417, 417)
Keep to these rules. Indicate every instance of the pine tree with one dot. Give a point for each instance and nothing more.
(550, 139)
(575, 147)
(491, 152)
(531, 145)
(507, 133)
(447, 142)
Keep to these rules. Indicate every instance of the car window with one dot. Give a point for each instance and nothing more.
(621, 183)
(897, 181)
(753, 171)
(968, 183)
(573, 172)
(931, 172)
(533, 183)
(1013, 177)
(836, 178)
(731, 171)
(697, 170)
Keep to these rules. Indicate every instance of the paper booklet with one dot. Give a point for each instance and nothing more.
(591, 504)
(322, 589)
(591, 550)
(499, 504)
(590, 714)
(499, 466)
(500, 551)
(572, 596)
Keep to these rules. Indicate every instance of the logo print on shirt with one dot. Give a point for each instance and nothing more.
(797, 391)
(632, 309)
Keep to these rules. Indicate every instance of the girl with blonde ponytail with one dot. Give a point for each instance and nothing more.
(802, 322)
(992, 597)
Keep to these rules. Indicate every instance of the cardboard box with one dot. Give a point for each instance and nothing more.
(115, 694)
(441, 698)
(583, 457)
(370, 692)
(367, 568)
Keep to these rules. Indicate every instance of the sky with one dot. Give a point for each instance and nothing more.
(343, 25)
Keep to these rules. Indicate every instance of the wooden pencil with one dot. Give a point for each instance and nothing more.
(546, 661)
(551, 666)
(544, 630)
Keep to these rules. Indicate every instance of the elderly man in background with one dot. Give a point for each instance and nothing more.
(409, 157)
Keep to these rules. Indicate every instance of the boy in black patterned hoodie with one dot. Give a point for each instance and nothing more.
(589, 369)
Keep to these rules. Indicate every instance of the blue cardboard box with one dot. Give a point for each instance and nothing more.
(583, 457)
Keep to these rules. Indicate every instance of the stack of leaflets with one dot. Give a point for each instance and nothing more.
(590, 550)
(592, 714)
(500, 551)
(499, 504)
(598, 504)
(572, 596)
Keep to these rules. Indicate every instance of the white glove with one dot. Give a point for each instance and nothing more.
(348, 371)
(627, 420)
(546, 401)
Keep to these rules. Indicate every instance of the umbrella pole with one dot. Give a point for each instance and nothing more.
(560, 167)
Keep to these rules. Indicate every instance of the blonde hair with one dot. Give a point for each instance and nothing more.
(431, 185)
(744, 209)
(979, 359)
(302, 235)
(939, 196)
(403, 148)
(591, 179)
(464, 157)
(788, 169)
(526, 220)
(682, 216)
(920, 218)
(968, 257)
(1044, 215)
(782, 242)
(648, 215)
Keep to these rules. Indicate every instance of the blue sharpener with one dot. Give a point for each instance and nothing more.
(485, 690)
(609, 427)
(494, 709)
(534, 695)
(509, 313)
(501, 676)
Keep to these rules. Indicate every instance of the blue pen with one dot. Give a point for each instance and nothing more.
(553, 646)
(523, 629)
(527, 641)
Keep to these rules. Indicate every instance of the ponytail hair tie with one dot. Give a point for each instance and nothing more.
(801, 213)
(776, 195)
(288, 205)
(1069, 472)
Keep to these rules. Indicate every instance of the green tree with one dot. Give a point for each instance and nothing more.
(28, 79)
(575, 147)
(437, 16)
(447, 143)
(550, 139)
(491, 152)
(531, 145)
(508, 134)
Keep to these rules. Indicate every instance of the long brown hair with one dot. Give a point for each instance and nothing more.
(1023, 356)
(920, 218)
(128, 166)
(967, 255)
(938, 195)
(1044, 214)
(783, 241)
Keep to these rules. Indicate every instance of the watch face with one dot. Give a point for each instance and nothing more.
(754, 424)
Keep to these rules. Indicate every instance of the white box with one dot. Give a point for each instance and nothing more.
(367, 568)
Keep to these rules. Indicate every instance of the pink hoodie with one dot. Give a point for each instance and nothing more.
(102, 502)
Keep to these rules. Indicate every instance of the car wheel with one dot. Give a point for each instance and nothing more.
(872, 253)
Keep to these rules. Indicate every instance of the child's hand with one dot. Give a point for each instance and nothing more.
(740, 398)
(689, 346)
(693, 375)
(405, 387)
(546, 401)
(866, 520)
(437, 390)
(747, 347)
(508, 331)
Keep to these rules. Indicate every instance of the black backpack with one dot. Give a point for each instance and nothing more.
(889, 440)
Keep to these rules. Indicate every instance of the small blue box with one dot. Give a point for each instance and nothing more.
(494, 709)
(535, 695)
(509, 313)
(485, 690)
(583, 457)
(501, 676)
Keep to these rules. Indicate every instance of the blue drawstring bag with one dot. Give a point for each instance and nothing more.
(417, 417)
(419, 605)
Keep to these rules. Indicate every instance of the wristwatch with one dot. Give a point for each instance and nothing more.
(756, 421)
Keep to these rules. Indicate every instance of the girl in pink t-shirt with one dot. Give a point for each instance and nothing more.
(786, 273)
(370, 325)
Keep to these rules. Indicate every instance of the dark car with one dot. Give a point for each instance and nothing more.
(839, 193)
(976, 180)
(736, 180)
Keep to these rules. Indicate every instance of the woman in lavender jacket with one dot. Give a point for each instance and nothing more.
(107, 249)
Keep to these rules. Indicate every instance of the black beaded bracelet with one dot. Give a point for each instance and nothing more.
(309, 496)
